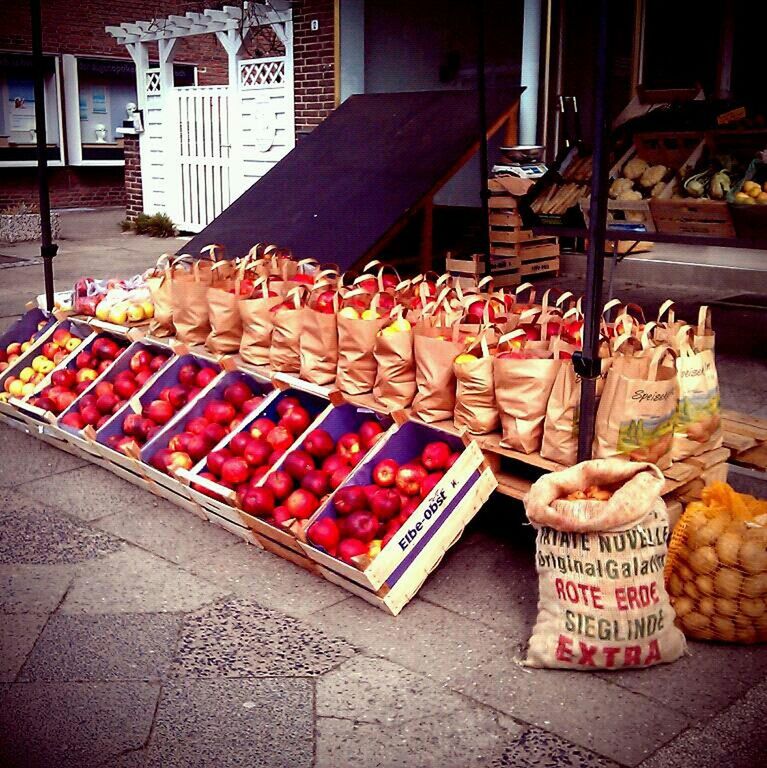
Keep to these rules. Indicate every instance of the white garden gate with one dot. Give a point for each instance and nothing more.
(203, 146)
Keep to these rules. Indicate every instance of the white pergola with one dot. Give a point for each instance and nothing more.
(230, 25)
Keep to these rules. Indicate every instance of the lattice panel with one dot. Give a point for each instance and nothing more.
(262, 73)
(153, 82)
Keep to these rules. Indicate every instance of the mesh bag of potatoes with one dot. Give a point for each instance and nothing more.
(716, 572)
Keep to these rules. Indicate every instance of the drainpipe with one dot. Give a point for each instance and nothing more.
(530, 75)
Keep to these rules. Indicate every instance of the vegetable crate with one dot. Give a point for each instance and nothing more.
(219, 501)
(691, 216)
(394, 576)
(750, 221)
(26, 328)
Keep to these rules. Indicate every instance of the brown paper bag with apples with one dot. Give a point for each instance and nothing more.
(523, 379)
(435, 347)
(257, 323)
(160, 286)
(667, 326)
(223, 308)
(475, 405)
(319, 335)
(635, 418)
(356, 373)
(189, 291)
(704, 333)
(601, 538)
(288, 317)
(395, 384)
(698, 425)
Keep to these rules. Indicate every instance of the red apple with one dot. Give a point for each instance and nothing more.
(429, 482)
(316, 482)
(176, 396)
(259, 502)
(159, 411)
(205, 376)
(319, 443)
(257, 452)
(215, 433)
(385, 473)
(274, 457)
(258, 473)
(281, 515)
(435, 455)
(197, 446)
(261, 427)
(280, 483)
(105, 348)
(348, 549)
(90, 414)
(301, 504)
(180, 442)
(334, 463)
(237, 394)
(84, 360)
(142, 377)
(161, 459)
(297, 464)
(74, 420)
(216, 461)
(369, 432)
(362, 525)
(179, 460)
(324, 533)
(125, 388)
(251, 404)
(296, 420)
(409, 479)
(140, 360)
(106, 403)
(64, 378)
(157, 362)
(103, 365)
(349, 499)
(239, 443)
(219, 411)
(103, 388)
(133, 424)
(385, 503)
(349, 444)
(280, 439)
(453, 458)
(286, 403)
(235, 470)
(187, 374)
(197, 425)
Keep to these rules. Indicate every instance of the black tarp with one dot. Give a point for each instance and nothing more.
(346, 184)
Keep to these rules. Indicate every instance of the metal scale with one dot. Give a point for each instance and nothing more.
(522, 161)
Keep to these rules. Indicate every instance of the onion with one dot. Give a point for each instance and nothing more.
(705, 584)
(753, 556)
(682, 605)
(703, 560)
(706, 606)
(755, 586)
(752, 606)
(728, 582)
(694, 622)
(724, 628)
(727, 547)
(725, 607)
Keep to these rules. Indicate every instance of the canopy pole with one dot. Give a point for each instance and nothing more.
(47, 247)
(587, 363)
(484, 193)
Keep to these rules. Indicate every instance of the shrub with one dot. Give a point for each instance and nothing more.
(160, 225)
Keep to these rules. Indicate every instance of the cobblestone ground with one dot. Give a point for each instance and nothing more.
(134, 634)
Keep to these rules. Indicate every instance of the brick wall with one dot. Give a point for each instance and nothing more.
(134, 200)
(70, 187)
(313, 54)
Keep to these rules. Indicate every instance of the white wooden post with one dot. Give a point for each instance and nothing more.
(170, 117)
(290, 93)
(72, 111)
(139, 52)
(232, 42)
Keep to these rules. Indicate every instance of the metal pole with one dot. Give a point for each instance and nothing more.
(47, 248)
(484, 193)
(587, 364)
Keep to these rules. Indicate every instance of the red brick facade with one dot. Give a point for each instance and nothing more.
(81, 33)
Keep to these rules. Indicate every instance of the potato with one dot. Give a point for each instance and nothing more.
(725, 607)
(724, 628)
(761, 626)
(742, 621)
(706, 606)
(708, 534)
(685, 574)
(728, 583)
(755, 586)
(704, 560)
(753, 556)
(752, 606)
(691, 590)
(746, 635)
(705, 585)
(675, 585)
(682, 605)
(695, 623)
(727, 547)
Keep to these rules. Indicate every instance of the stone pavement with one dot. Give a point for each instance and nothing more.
(134, 634)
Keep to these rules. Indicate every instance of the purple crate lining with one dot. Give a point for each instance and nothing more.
(314, 404)
(196, 408)
(168, 377)
(404, 445)
(77, 329)
(121, 363)
(26, 326)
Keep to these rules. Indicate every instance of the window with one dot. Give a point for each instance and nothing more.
(18, 136)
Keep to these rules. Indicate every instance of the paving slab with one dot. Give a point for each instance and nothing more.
(240, 638)
(168, 531)
(24, 458)
(470, 738)
(33, 533)
(134, 581)
(276, 583)
(108, 647)
(260, 723)
(33, 588)
(106, 493)
(537, 748)
(73, 725)
(472, 659)
(490, 581)
(702, 683)
(735, 738)
(18, 634)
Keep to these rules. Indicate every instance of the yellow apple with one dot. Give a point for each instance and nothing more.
(350, 313)
(465, 358)
(148, 308)
(13, 348)
(16, 387)
(370, 314)
(25, 346)
(135, 313)
(86, 374)
(374, 548)
(27, 374)
(72, 344)
(102, 311)
(28, 389)
(118, 314)
(40, 362)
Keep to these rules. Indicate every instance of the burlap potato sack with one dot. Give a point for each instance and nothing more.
(257, 324)
(602, 600)
(160, 287)
(434, 352)
(637, 410)
(394, 385)
(698, 424)
(189, 295)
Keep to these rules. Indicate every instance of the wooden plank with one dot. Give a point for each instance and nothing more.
(536, 251)
(737, 443)
(502, 201)
(728, 415)
(710, 458)
(538, 267)
(747, 430)
(756, 458)
(499, 219)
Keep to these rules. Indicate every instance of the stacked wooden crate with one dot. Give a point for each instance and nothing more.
(516, 254)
